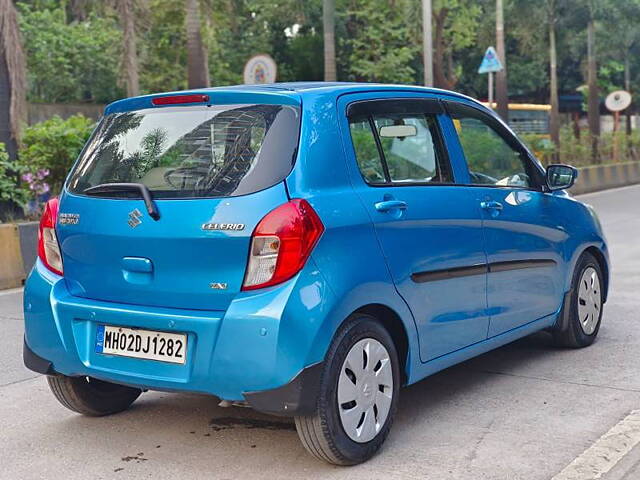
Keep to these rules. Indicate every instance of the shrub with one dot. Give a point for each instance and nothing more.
(10, 188)
(49, 150)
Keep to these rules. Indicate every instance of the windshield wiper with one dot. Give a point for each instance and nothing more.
(127, 187)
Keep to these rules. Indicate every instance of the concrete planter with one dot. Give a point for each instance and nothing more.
(602, 177)
(18, 252)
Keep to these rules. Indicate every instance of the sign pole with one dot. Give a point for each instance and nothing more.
(616, 124)
(490, 95)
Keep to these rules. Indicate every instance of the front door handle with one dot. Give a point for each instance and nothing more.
(491, 205)
(388, 205)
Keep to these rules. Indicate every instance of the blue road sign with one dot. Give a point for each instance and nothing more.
(490, 62)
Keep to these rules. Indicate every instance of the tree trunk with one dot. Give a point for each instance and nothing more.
(627, 87)
(197, 62)
(439, 58)
(130, 53)
(592, 85)
(328, 27)
(502, 95)
(554, 117)
(5, 101)
(427, 43)
(12, 78)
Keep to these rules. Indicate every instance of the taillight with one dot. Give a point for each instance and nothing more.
(48, 248)
(281, 244)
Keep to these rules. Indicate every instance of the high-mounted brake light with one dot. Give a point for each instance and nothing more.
(48, 247)
(281, 244)
(180, 99)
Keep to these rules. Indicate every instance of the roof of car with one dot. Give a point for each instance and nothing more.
(293, 92)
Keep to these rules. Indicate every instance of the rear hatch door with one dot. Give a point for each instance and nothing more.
(213, 173)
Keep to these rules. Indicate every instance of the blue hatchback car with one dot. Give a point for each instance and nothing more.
(305, 249)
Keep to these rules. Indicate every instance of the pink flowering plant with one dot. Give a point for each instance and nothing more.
(36, 181)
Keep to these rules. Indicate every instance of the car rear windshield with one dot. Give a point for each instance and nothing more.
(191, 152)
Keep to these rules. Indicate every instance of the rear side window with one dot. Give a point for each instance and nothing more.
(190, 152)
(398, 148)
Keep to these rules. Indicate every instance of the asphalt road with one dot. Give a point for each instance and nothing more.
(525, 411)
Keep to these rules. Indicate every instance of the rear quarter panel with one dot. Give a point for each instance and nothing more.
(348, 254)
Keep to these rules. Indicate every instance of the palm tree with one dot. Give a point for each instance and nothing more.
(328, 26)
(593, 100)
(554, 117)
(12, 78)
(502, 94)
(126, 9)
(197, 62)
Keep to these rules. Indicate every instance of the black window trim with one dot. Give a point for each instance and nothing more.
(403, 105)
(534, 173)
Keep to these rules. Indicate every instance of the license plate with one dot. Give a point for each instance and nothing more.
(147, 344)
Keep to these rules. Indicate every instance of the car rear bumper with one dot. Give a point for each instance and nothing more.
(250, 352)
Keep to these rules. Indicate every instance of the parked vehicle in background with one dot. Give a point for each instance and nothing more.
(306, 249)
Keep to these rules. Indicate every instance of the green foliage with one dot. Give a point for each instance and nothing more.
(67, 62)
(541, 146)
(10, 187)
(380, 48)
(54, 145)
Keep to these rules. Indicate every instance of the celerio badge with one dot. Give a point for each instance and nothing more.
(223, 226)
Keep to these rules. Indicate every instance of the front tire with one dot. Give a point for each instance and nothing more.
(358, 399)
(586, 305)
(90, 396)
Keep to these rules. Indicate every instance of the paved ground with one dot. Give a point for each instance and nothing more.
(525, 411)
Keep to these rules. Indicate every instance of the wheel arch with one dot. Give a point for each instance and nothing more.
(604, 266)
(392, 322)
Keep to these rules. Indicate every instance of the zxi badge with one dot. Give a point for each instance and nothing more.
(135, 218)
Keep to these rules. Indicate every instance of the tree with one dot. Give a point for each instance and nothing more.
(126, 9)
(502, 94)
(197, 61)
(455, 30)
(12, 78)
(328, 28)
(427, 43)
(592, 75)
(379, 46)
(554, 117)
(71, 62)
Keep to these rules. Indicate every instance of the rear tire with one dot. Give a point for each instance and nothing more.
(361, 381)
(586, 305)
(90, 396)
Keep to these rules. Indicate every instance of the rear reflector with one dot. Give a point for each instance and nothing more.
(281, 244)
(48, 247)
(180, 99)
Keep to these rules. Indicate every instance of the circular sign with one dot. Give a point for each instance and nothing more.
(260, 69)
(618, 100)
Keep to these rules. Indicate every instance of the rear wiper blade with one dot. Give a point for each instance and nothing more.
(127, 187)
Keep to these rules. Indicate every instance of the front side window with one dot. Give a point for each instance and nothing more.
(190, 152)
(491, 159)
(398, 148)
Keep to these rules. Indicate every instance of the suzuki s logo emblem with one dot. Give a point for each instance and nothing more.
(134, 218)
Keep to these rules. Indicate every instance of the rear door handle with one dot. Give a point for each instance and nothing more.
(387, 205)
(491, 205)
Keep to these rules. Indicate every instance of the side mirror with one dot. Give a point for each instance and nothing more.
(561, 177)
